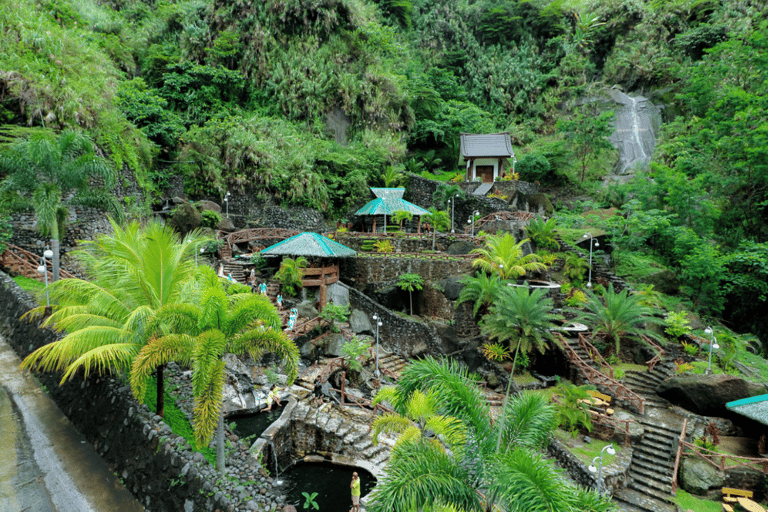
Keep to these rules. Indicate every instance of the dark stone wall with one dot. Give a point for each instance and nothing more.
(139, 447)
(362, 271)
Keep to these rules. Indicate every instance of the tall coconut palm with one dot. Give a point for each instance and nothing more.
(479, 477)
(214, 324)
(503, 255)
(44, 168)
(439, 220)
(133, 274)
(617, 316)
(481, 289)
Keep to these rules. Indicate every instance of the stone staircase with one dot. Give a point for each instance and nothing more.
(236, 269)
(650, 472)
(483, 189)
(645, 383)
(390, 363)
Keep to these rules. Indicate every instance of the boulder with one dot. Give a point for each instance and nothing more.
(208, 205)
(338, 294)
(336, 342)
(707, 394)
(697, 476)
(185, 218)
(460, 248)
(420, 348)
(227, 225)
(309, 351)
(663, 281)
(306, 309)
(451, 287)
(360, 323)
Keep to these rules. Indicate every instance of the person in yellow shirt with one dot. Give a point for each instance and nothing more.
(355, 486)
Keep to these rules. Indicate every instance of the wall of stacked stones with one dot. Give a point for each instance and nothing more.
(139, 447)
(613, 476)
(362, 271)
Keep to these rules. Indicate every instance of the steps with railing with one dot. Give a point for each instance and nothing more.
(25, 263)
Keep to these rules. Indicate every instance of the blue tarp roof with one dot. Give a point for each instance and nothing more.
(389, 201)
(754, 407)
(309, 244)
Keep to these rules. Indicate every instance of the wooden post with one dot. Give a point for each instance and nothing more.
(677, 457)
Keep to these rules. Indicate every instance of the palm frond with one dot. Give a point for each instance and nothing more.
(157, 352)
(208, 403)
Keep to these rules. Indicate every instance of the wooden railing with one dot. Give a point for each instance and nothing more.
(416, 255)
(248, 235)
(346, 398)
(679, 455)
(25, 263)
(305, 327)
(476, 240)
(595, 355)
(613, 387)
(501, 216)
(659, 353)
(718, 459)
(320, 276)
(605, 421)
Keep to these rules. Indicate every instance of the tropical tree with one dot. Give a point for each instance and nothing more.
(439, 220)
(416, 418)
(410, 283)
(503, 255)
(482, 289)
(617, 316)
(478, 476)
(587, 134)
(211, 325)
(543, 233)
(133, 275)
(393, 176)
(401, 215)
(445, 195)
(291, 272)
(44, 168)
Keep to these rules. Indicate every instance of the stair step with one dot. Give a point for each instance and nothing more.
(645, 465)
(650, 456)
(636, 501)
(651, 491)
(654, 478)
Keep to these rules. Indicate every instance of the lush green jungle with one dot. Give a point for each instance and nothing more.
(309, 102)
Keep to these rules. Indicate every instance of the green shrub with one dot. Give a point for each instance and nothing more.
(211, 219)
(677, 324)
(353, 350)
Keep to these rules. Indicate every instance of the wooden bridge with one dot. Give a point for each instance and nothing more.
(248, 235)
(501, 216)
(26, 263)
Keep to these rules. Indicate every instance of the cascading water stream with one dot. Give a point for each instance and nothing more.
(274, 453)
(637, 125)
(636, 129)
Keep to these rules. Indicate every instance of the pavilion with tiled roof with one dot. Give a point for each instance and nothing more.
(387, 202)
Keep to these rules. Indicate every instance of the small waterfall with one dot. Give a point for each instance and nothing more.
(274, 452)
(636, 129)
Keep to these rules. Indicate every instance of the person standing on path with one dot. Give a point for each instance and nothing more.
(355, 486)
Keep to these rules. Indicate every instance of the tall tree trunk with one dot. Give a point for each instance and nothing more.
(506, 397)
(160, 394)
(220, 443)
(55, 249)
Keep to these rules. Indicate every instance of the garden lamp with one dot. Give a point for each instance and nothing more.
(226, 200)
(453, 210)
(591, 244)
(712, 346)
(43, 269)
(599, 469)
(377, 319)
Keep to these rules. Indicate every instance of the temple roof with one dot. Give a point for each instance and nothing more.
(309, 244)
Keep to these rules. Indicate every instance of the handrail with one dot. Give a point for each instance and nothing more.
(26, 263)
(711, 456)
(651, 363)
(679, 454)
(415, 255)
(619, 390)
(595, 355)
(477, 240)
(499, 216)
(246, 235)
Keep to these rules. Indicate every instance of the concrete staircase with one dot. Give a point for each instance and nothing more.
(236, 269)
(650, 472)
(645, 383)
(483, 189)
(390, 363)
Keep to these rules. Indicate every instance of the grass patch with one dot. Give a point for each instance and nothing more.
(587, 452)
(756, 363)
(688, 502)
(176, 419)
(444, 177)
(636, 264)
(524, 378)
(30, 285)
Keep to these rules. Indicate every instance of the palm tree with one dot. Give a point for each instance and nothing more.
(617, 316)
(503, 255)
(479, 476)
(543, 233)
(482, 289)
(134, 274)
(44, 168)
(416, 418)
(401, 215)
(444, 195)
(291, 272)
(393, 175)
(524, 318)
(439, 220)
(215, 324)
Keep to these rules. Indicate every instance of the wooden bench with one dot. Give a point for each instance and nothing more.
(731, 495)
(601, 400)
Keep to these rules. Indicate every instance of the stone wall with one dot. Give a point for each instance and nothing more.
(137, 444)
(362, 271)
(407, 243)
(613, 476)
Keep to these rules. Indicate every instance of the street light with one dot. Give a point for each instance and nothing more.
(378, 324)
(712, 345)
(599, 469)
(472, 220)
(591, 244)
(453, 210)
(202, 250)
(43, 269)
(226, 200)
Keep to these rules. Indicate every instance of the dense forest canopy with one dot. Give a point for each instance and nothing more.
(310, 101)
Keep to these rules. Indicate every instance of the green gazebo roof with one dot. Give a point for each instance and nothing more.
(755, 407)
(309, 244)
(389, 201)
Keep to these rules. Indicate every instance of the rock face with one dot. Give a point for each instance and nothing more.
(460, 248)
(664, 281)
(360, 323)
(451, 287)
(697, 476)
(306, 309)
(338, 295)
(707, 394)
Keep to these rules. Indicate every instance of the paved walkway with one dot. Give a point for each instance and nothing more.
(45, 463)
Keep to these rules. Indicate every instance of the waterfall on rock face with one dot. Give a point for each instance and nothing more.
(637, 124)
(274, 453)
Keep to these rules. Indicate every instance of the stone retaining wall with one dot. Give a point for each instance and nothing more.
(613, 475)
(362, 271)
(157, 466)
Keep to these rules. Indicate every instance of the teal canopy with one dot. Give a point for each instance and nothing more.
(389, 201)
(309, 244)
(755, 407)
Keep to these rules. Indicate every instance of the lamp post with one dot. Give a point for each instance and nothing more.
(226, 200)
(712, 345)
(378, 324)
(453, 210)
(591, 244)
(202, 250)
(472, 220)
(43, 269)
(599, 469)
